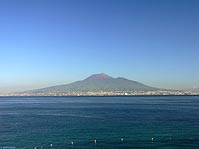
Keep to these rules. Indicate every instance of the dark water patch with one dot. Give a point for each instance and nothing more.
(172, 122)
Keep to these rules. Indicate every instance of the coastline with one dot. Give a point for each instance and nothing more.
(104, 93)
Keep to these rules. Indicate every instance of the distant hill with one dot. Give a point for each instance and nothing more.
(98, 82)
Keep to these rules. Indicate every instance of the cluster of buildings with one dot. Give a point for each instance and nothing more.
(105, 93)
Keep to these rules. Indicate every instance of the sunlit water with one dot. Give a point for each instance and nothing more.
(172, 122)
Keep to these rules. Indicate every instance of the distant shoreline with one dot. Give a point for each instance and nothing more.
(106, 96)
(105, 93)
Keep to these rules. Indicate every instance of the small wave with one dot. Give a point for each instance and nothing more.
(71, 115)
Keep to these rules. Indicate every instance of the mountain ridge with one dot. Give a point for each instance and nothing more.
(97, 82)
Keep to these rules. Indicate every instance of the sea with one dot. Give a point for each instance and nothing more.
(122, 122)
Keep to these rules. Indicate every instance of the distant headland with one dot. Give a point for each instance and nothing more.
(101, 85)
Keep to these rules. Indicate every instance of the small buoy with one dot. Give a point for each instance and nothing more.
(51, 145)
(122, 139)
(151, 139)
(72, 143)
(95, 141)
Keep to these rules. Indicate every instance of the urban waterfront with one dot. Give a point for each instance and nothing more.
(100, 122)
(105, 93)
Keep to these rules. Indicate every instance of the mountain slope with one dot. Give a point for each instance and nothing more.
(98, 82)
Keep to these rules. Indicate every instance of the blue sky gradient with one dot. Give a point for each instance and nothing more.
(50, 42)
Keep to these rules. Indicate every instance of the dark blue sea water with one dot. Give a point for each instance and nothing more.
(28, 122)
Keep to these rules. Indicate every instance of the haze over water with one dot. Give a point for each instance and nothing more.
(172, 122)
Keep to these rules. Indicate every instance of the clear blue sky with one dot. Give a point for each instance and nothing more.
(50, 42)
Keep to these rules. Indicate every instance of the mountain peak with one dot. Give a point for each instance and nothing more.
(98, 76)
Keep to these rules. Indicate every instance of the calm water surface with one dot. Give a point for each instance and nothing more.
(172, 122)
